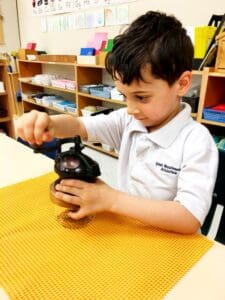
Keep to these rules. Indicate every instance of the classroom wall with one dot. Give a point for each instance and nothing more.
(190, 12)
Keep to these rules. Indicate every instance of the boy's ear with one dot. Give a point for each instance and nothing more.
(184, 83)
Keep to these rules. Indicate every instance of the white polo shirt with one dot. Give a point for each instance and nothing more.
(176, 162)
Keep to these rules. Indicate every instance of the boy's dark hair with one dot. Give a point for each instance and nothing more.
(156, 40)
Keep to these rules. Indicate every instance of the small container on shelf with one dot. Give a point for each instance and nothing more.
(106, 147)
(85, 88)
(215, 113)
(43, 79)
(88, 110)
(59, 83)
(63, 84)
(87, 59)
(70, 107)
(47, 100)
(70, 84)
(59, 104)
(101, 91)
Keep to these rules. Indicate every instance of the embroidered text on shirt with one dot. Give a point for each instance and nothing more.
(167, 169)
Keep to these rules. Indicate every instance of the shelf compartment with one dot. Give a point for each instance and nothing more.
(28, 82)
(99, 148)
(214, 94)
(31, 101)
(203, 121)
(102, 99)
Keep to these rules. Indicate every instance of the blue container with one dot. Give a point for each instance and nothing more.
(214, 115)
(52, 153)
(103, 92)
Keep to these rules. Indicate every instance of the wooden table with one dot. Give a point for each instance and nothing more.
(206, 280)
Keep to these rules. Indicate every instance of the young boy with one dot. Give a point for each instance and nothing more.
(167, 161)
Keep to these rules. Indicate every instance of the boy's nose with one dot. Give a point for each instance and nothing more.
(132, 109)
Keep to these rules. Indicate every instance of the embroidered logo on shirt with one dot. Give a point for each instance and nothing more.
(167, 169)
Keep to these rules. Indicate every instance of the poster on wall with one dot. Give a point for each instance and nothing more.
(113, 15)
(53, 7)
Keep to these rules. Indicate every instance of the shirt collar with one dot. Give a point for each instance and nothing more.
(165, 135)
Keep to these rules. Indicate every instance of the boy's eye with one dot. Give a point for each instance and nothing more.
(142, 98)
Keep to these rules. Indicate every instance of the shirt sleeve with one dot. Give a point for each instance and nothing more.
(107, 129)
(198, 174)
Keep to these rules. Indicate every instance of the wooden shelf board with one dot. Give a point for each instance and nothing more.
(203, 121)
(197, 72)
(48, 62)
(102, 99)
(216, 74)
(90, 66)
(98, 148)
(49, 107)
(26, 80)
(5, 119)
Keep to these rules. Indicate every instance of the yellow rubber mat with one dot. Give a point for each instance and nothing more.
(105, 257)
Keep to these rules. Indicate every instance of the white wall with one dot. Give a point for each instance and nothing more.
(189, 12)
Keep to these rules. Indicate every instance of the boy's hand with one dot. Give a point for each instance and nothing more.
(91, 197)
(35, 127)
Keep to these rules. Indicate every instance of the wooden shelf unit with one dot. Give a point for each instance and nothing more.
(212, 93)
(212, 89)
(6, 103)
(30, 68)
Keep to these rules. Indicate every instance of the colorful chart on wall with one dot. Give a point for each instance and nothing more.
(59, 15)
(52, 7)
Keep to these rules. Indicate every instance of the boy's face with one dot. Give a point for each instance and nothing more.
(152, 101)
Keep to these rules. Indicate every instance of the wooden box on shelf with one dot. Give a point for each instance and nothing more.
(22, 53)
(220, 58)
(57, 58)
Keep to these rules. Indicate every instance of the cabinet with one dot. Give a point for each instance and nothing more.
(6, 103)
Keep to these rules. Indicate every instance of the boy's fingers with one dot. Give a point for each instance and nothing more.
(77, 215)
